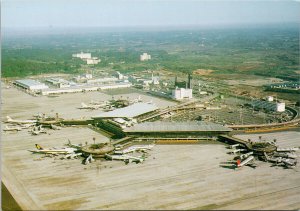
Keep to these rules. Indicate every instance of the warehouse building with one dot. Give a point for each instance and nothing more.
(85, 88)
(30, 84)
(177, 129)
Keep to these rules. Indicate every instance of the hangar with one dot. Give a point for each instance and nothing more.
(30, 84)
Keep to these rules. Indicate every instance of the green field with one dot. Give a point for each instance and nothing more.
(264, 50)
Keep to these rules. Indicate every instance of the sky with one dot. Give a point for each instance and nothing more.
(122, 13)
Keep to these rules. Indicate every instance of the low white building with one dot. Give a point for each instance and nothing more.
(119, 75)
(82, 55)
(30, 84)
(270, 98)
(59, 82)
(155, 80)
(280, 107)
(102, 80)
(85, 88)
(93, 60)
(181, 93)
(145, 57)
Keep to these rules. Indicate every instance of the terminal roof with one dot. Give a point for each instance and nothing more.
(190, 126)
(29, 82)
(131, 111)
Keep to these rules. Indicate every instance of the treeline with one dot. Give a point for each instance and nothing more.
(264, 52)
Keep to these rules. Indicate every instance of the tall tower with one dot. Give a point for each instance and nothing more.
(189, 81)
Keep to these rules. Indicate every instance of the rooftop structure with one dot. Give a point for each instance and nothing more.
(93, 60)
(131, 111)
(145, 57)
(102, 80)
(291, 85)
(181, 93)
(176, 127)
(30, 84)
(59, 82)
(74, 89)
(270, 98)
(82, 55)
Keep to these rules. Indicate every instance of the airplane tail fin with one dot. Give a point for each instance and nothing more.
(8, 118)
(83, 105)
(38, 147)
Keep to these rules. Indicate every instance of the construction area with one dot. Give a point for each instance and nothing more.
(172, 176)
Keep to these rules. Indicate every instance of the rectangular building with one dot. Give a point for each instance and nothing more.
(30, 84)
(181, 93)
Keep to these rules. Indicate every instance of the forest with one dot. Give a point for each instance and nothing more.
(267, 51)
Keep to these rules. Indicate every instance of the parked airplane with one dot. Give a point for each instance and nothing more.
(13, 121)
(136, 100)
(38, 130)
(102, 103)
(76, 146)
(244, 162)
(73, 155)
(55, 127)
(141, 148)
(88, 160)
(287, 149)
(281, 161)
(54, 151)
(126, 158)
(92, 107)
(12, 128)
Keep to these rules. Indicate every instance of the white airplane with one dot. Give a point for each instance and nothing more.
(285, 155)
(282, 161)
(88, 160)
(76, 146)
(287, 149)
(13, 121)
(141, 148)
(102, 103)
(73, 155)
(55, 127)
(136, 100)
(243, 156)
(54, 151)
(92, 107)
(125, 158)
(237, 150)
(38, 130)
(233, 146)
(245, 162)
(12, 128)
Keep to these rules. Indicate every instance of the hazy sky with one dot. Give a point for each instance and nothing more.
(77, 13)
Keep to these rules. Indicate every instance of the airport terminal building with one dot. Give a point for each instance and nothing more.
(188, 129)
